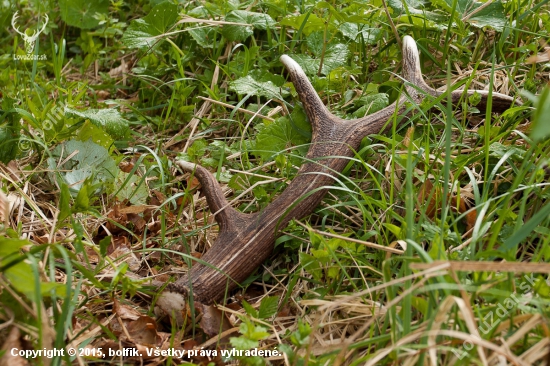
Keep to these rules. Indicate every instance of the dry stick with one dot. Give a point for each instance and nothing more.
(204, 109)
(392, 25)
(365, 243)
(485, 266)
(239, 109)
(475, 11)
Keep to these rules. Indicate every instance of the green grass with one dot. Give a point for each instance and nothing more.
(84, 253)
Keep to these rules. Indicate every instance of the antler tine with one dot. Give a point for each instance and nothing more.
(313, 105)
(413, 74)
(418, 89)
(226, 216)
(46, 20)
(13, 19)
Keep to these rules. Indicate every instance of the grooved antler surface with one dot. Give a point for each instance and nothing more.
(246, 240)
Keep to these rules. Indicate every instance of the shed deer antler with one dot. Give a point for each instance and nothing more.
(246, 240)
(29, 40)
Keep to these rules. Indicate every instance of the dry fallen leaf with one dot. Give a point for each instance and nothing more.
(213, 321)
(144, 331)
(4, 209)
(13, 340)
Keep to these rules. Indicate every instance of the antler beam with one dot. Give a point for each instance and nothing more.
(246, 240)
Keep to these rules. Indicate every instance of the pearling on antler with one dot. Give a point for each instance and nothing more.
(246, 240)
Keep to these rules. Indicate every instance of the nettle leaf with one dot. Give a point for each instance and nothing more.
(335, 55)
(247, 21)
(110, 119)
(87, 160)
(355, 31)
(312, 24)
(80, 13)
(492, 16)
(203, 36)
(403, 8)
(143, 33)
(248, 85)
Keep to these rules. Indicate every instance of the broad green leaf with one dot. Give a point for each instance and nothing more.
(268, 307)
(9, 139)
(64, 203)
(251, 331)
(309, 64)
(109, 118)
(277, 136)
(248, 85)
(371, 104)
(499, 150)
(11, 245)
(104, 244)
(311, 265)
(542, 288)
(21, 277)
(98, 135)
(162, 17)
(143, 33)
(312, 24)
(204, 36)
(420, 304)
(82, 200)
(333, 55)
(87, 161)
(541, 121)
(492, 15)
(247, 21)
(355, 31)
(80, 13)
(261, 74)
(249, 309)
(403, 8)
(133, 190)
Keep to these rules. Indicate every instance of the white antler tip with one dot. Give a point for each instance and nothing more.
(290, 64)
(187, 166)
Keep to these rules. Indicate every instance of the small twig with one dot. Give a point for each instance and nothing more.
(362, 242)
(239, 109)
(475, 11)
(193, 123)
(392, 25)
(486, 266)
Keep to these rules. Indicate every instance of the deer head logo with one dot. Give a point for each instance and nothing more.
(29, 40)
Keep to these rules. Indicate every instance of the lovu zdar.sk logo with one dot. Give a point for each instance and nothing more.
(30, 40)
